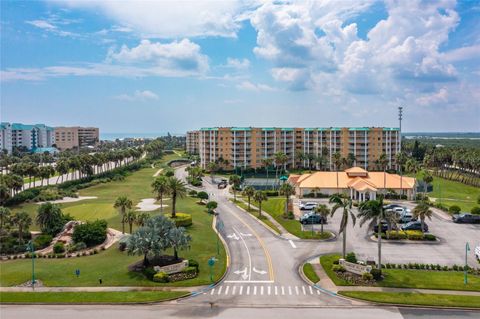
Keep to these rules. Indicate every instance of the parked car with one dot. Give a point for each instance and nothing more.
(391, 206)
(384, 227)
(466, 218)
(312, 218)
(308, 206)
(477, 252)
(406, 217)
(415, 225)
(223, 184)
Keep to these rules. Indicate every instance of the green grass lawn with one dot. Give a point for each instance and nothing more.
(112, 264)
(89, 297)
(453, 193)
(275, 206)
(406, 278)
(416, 298)
(310, 273)
(254, 212)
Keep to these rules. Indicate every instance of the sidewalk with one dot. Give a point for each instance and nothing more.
(99, 289)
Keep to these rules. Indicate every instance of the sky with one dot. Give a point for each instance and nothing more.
(173, 66)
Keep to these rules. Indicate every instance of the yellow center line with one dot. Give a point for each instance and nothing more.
(267, 254)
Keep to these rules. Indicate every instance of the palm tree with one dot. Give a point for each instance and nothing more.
(267, 162)
(421, 211)
(323, 211)
(286, 190)
(427, 179)
(23, 221)
(62, 168)
(372, 211)
(235, 181)
(212, 167)
(130, 218)
(337, 162)
(160, 187)
(122, 204)
(260, 197)
(48, 215)
(4, 215)
(141, 219)
(346, 205)
(401, 159)
(280, 159)
(249, 191)
(179, 239)
(176, 188)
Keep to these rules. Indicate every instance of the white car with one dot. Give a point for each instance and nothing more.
(477, 252)
(307, 206)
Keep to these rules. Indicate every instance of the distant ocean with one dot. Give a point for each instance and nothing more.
(114, 136)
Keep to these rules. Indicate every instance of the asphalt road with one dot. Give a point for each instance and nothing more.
(194, 311)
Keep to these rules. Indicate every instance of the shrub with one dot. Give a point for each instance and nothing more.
(396, 234)
(182, 220)
(414, 234)
(42, 241)
(202, 195)
(193, 263)
(351, 257)
(193, 193)
(271, 193)
(475, 210)
(290, 215)
(338, 268)
(160, 277)
(367, 276)
(58, 248)
(454, 209)
(430, 237)
(455, 267)
(211, 206)
(76, 247)
(376, 273)
(149, 272)
(91, 233)
(190, 270)
(122, 246)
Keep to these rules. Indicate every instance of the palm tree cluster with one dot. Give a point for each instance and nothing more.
(156, 236)
(170, 186)
(34, 167)
(20, 221)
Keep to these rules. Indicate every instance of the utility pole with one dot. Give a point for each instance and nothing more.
(400, 116)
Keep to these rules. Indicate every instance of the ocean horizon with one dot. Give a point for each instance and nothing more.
(120, 136)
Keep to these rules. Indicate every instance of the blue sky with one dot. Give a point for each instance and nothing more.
(157, 66)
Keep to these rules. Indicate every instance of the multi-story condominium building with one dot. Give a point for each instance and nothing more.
(29, 136)
(192, 142)
(76, 137)
(247, 146)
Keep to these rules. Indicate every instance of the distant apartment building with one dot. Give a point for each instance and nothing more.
(31, 137)
(192, 143)
(76, 137)
(245, 147)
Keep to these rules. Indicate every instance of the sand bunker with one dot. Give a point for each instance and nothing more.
(69, 199)
(148, 204)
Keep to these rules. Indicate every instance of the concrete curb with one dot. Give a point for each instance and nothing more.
(437, 241)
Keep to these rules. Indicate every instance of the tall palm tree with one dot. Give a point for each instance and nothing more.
(267, 162)
(212, 167)
(249, 191)
(323, 211)
(422, 211)
(4, 216)
(372, 211)
(141, 219)
(337, 162)
(22, 220)
(48, 214)
(160, 187)
(130, 218)
(235, 181)
(286, 190)
(427, 179)
(280, 159)
(177, 189)
(260, 197)
(122, 204)
(345, 204)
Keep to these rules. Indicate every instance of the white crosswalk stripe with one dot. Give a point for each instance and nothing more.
(263, 290)
(241, 290)
(226, 290)
(220, 290)
(213, 290)
(235, 288)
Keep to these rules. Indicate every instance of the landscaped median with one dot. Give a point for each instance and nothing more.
(90, 297)
(433, 278)
(310, 273)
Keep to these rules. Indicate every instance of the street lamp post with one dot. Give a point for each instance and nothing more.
(32, 251)
(211, 263)
(467, 249)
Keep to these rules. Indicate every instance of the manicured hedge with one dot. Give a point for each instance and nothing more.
(182, 220)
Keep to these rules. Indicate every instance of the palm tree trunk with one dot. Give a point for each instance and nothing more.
(130, 224)
(259, 209)
(174, 202)
(175, 253)
(344, 250)
(321, 226)
(248, 203)
(161, 203)
(379, 242)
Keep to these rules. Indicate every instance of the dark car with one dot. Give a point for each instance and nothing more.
(466, 218)
(384, 227)
(391, 206)
(222, 185)
(415, 225)
(312, 218)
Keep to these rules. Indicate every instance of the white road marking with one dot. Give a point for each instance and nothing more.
(234, 236)
(254, 290)
(261, 290)
(303, 289)
(248, 281)
(233, 290)
(296, 290)
(291, 243)
(261, 272)
(318, 292)
(213, 290)
(283, 290)
(249, 256)
(268, 290)
(241, 290)
(226, 290)
(289, 290)
(248, 290)
(243, 272)
(245, 235)
(311, 290)
(220, 290)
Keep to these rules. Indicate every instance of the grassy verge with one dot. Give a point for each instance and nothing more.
(416, 298)
(310, 273)
(406, 278)
(254, 212)
(275, 207)
(89, 297)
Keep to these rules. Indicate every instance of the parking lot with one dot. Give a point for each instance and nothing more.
(448, 250)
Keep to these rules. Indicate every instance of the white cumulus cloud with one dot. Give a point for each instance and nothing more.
(137, 96)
